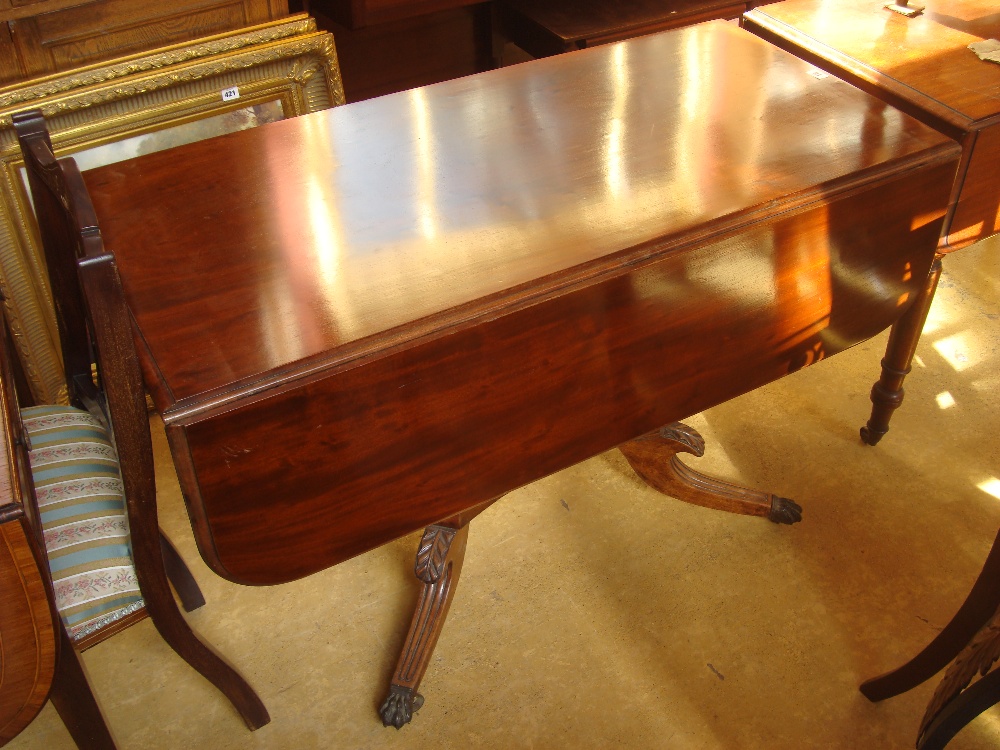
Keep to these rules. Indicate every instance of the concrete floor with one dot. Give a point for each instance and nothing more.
(595, 613)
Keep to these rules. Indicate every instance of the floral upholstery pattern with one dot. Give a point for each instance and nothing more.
(82, 507)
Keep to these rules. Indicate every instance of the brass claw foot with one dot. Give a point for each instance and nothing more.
(784, 511)
(399, 706)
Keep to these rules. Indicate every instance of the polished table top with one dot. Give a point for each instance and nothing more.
(921, 65)
(925, 59)
(358, 322)
(308, 238)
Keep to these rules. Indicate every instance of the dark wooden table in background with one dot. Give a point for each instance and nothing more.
(364, 321)
(551, 27)
(386, 46)
(923, 66)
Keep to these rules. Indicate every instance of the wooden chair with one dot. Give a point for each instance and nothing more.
(95, 330)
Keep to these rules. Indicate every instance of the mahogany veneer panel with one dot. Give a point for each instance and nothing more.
(27, 633)
(10, 67)
(361, 321)
(921, 65)
(27, 620)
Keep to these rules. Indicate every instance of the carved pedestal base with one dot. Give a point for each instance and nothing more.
(442, 549)
(438, 566)
(654, 458)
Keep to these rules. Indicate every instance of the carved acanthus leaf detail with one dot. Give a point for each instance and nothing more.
(687, 437)
(981, 653)
(433, 552)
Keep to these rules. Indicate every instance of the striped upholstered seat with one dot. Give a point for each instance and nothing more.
(82, 507)
(97, 539)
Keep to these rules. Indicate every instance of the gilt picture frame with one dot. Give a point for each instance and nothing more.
(142, 103)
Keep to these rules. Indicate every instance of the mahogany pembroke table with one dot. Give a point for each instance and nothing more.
(368, 320)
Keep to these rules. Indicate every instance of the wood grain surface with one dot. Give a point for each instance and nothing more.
(27, 633)
(923, 60)
(921, 65)
(27, 620)
(360, 322)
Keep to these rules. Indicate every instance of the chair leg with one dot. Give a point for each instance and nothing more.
(163, 611)
(75, 702)
(887, 393)
(109, 323)
(980, 605)
(653, 457)
(180, 576)
(150, 570)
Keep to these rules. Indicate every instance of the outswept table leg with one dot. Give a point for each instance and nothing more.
(438, 566)
(887, 393)
(961, 710)
(977, 610)
(972, 639)
(654, 458)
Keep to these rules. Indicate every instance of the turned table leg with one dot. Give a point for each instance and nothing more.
(438, 565)
(654, 458)
(887, 393)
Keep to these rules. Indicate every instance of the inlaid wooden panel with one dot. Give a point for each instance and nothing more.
(10, 66)
(27, 619)
(27, 633)
(14, 9)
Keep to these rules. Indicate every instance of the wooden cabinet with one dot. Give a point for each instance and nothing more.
(386, 46)
(46, 36)
(356, 14)
(551, 27)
